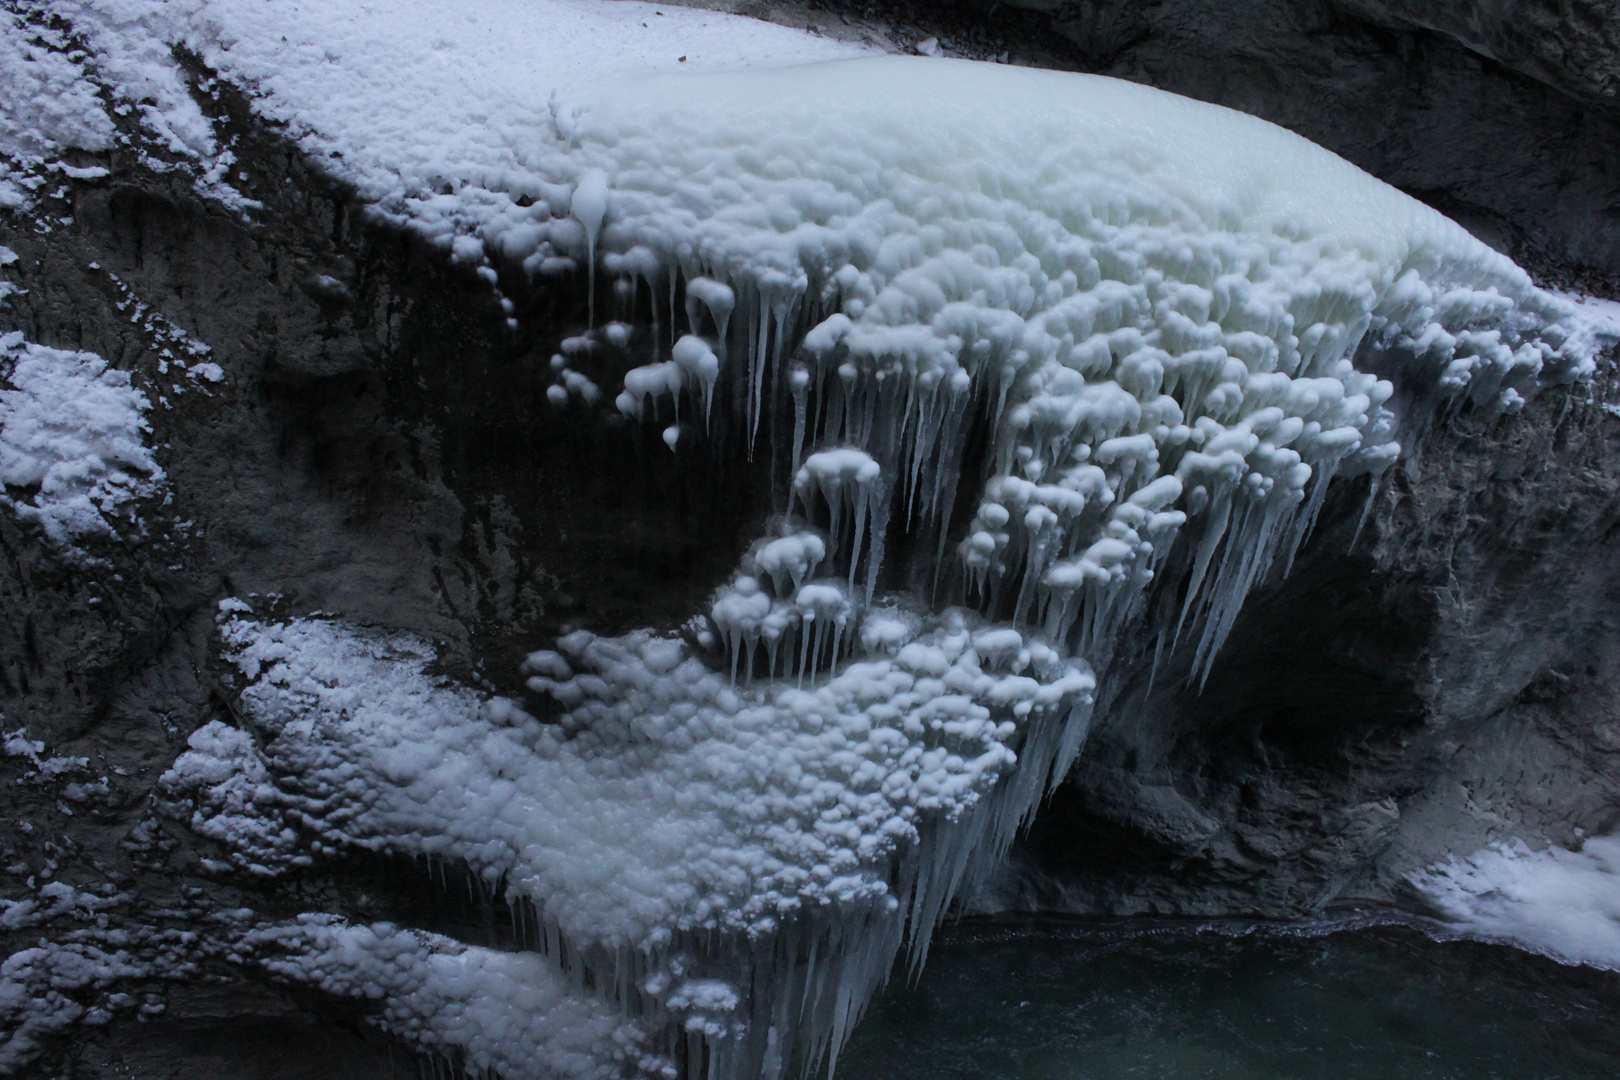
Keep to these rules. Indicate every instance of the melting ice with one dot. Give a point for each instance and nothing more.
(1170, 325)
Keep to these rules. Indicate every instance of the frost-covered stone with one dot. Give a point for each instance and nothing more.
(1564, 904)
(506, 1013)
(72, 431)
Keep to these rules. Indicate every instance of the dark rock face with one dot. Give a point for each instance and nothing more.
(373, 452)
(1435, 677)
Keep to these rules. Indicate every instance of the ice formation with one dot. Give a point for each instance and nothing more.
(1563, 904)
(1134, 336)
(1169, 325)
(489, 1012)
(72, 450)
(670, 827)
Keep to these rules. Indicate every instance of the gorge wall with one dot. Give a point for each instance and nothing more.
(370, 451)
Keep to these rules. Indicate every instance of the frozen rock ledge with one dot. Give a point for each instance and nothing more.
(1170, 326)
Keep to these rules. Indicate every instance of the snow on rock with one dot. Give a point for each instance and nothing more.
(72, 454)
(40, 988)
(664, 804)
(664, 799)
(84, 974)
(500, 1013)
(7, 288)
(47, 103)
(67, 67)
(131, 52)
(18, 744)
(446, 92)
(1170, 326)
(234, 796)
(1601, 316)
(1563, 904)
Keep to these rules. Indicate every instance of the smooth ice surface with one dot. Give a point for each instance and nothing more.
(72, 430)
(1564, 904)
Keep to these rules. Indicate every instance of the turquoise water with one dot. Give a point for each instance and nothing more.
(1055, 1001)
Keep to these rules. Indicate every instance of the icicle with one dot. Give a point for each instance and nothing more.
(805, 629)
(699, 363)
(589, 207)
(756, 370)
(799, 382)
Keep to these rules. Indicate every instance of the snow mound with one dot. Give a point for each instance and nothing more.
(490, 1012)
(665, 804)
(1563, 904)
(400, 99)
(72, 454)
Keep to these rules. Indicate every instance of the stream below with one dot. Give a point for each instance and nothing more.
(1050, 1000)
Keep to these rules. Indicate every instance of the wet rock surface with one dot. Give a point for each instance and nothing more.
(372, 452)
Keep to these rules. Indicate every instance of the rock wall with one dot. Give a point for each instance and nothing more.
(1460, 693)
(372, 452)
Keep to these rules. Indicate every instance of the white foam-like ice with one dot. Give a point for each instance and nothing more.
(1563, 904)
(666, 804)
(489, 1012)
(72, 430)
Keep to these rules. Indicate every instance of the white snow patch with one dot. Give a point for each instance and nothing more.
(440, 91)
(1563, 904)
(67, 65)
(131, 43)
(86, 978)
(1602, 316)
(667, 803)
(390, 98)
(8, 288)
(71, 439)
(222, 771)
(497, 1012)
(18, 744)
(667, 800)
(47, 103)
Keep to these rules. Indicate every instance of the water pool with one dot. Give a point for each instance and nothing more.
(1091, 1001)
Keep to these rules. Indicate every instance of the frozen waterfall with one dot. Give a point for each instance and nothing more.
(1164, 327)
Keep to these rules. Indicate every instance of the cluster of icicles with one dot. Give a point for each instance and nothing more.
(729, 837)
(1159, 420)
(1145, 357)
(1089, 487)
